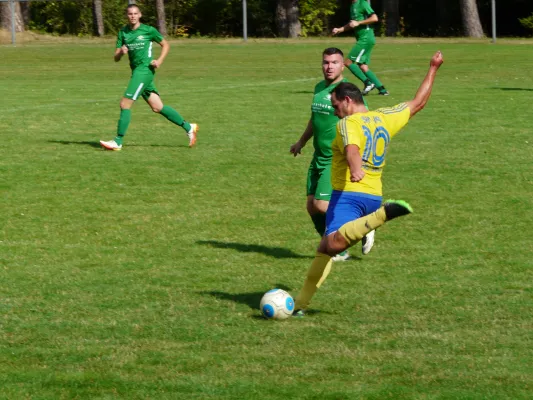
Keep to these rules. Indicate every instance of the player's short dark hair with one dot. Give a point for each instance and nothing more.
(131, 6)
(348, 89)
(332, 50)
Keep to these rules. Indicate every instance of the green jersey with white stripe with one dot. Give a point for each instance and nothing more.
(324, 122)
(359, 11)
(139, 43)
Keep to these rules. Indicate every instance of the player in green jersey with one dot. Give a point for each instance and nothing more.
(361, 17)
(322, 128)
(136, 40)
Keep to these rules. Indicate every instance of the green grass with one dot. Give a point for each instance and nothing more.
(137, 274)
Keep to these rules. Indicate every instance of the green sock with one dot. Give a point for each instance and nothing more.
(319, 220)
(359, 74)
(174, 116)
(374, 79)
(123, 123)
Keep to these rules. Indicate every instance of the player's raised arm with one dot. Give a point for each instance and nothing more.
(424, 91)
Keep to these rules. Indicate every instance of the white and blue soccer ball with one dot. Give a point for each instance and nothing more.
(277, 304)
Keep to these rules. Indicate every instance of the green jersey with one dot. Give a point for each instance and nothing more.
(139, 43)
(324, 122)
(359, 11)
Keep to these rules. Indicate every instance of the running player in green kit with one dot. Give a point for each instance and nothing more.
(361, 17)
(136, 40)
(322, 128)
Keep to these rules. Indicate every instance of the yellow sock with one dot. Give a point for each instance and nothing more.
(355, 230)
(317, 274)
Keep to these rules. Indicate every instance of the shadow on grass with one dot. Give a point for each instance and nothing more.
(99, 146)
(83, 143)
(276, 252)
(252, 299)
(513, 89)
(302, 92)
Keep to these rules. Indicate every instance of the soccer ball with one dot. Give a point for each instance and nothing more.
(277, 304)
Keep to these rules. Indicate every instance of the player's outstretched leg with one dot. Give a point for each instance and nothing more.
(396, 208)
(316, 275)
(354, 231)
(175, 117)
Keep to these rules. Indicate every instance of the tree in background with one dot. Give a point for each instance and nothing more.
(161, 19)
(315, 15)
(471, 22)
(272, 18)
(98, 18)
(288, 18)
(391, 11)
(5, 17)
(527, 22)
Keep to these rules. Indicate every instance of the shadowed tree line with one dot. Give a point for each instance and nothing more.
(273, 18)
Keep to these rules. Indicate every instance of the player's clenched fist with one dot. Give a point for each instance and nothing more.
(357, 176)
(436, 60)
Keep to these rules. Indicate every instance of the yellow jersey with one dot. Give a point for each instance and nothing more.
(371, 132)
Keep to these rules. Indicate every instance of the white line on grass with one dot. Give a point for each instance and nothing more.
(209, 88)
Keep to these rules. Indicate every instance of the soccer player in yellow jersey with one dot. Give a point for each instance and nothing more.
(359, 151)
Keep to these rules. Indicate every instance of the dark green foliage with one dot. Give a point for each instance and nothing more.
(527, 22)
(315, 15)
(224, 17)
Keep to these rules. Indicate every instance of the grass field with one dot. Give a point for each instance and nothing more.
(138, 274)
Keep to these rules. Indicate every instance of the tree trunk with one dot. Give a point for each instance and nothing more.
(391, 8)
(471, 23)
(5, 17)
(98, 19)
(287, 18)
(161, 19)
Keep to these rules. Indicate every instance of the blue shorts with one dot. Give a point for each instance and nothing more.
(347, 206)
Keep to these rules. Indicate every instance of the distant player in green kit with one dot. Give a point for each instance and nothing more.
(361, 17)
(136, 40)
(322, 128)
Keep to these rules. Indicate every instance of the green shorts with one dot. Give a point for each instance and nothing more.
(360, 53)
(319, 182)
(141, 84)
